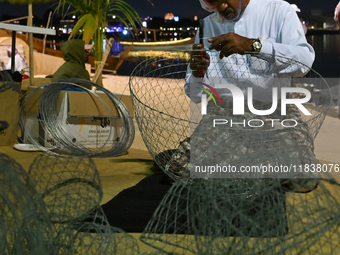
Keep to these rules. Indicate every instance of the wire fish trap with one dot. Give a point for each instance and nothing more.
(94, 235)
(54, 132)
(25, 216)
(177, 135)
(246, 216)
(69, 186)
(25, 227)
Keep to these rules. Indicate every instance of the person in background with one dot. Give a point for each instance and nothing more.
(75, 55)
(336, 13)
(337, 18)
(297, 10)
(20, 63)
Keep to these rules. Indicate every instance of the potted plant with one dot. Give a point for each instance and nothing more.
(93, 19)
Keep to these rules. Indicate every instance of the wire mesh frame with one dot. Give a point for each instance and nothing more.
(94, 235)
(147, 114)
(70, 186)
(163, 110)
(192, 218)
(25, 225)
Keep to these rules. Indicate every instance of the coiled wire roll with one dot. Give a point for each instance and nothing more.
(51, 122)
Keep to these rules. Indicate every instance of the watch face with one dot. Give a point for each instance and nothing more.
(257, 46)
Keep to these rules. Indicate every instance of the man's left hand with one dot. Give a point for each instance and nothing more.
(230, 43)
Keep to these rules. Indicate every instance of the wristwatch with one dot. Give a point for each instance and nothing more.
(257, 45)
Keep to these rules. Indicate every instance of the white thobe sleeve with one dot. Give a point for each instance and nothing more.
(292, 44)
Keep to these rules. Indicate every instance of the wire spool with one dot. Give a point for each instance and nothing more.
(69, 186)
(24, 223)
(167, 118)
(50, 122)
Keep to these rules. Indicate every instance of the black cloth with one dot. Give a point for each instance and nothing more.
(132, 208)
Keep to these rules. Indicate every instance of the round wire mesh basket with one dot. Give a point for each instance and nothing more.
(25, 227)
(246, 216)
(69, 186)
(168, 110)
(95, 236)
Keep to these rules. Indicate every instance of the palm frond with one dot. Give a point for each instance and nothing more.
(90, 28)
(93, 17)
(131, 15)
(79, 25)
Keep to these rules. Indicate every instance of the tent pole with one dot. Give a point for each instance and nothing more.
(30, 42)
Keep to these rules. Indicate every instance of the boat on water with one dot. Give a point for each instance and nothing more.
(112, 62)
(178, 45)
(54, 49)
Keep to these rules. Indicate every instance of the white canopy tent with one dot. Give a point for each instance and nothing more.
(27, 29)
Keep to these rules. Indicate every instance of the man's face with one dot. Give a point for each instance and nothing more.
(230, 9)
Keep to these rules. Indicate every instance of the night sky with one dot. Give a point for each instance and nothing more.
(182, 8)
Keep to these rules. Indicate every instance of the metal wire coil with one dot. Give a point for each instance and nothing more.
(50, 121)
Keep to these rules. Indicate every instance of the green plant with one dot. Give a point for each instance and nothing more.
(93, 19)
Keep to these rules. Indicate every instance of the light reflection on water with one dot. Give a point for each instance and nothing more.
(327, 59)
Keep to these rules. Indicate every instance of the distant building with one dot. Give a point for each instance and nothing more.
(66, 25)
(115, 25)
(169, 16)
(318, 20)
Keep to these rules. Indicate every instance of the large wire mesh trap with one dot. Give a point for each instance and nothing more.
(246, 216)
(69, 186)
(25, 225)
(48, 127)
(34, 223)
(236, 215)
(71, 190)
(94, 235)
(172, 126)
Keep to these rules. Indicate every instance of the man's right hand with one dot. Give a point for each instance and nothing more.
(199, 60)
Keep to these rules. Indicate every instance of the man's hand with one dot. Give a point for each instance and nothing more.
(230, 43)
(199, 60)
